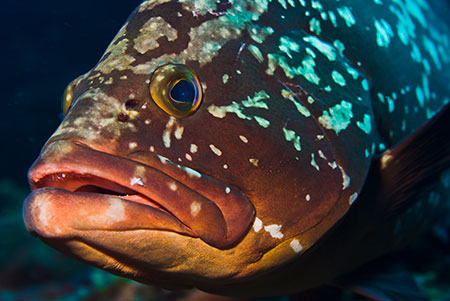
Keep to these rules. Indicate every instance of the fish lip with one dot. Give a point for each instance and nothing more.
(214, 221)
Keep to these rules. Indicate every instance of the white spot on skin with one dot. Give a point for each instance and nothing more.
(188, 157)
(195, 208)
(321, 154)
(254, 161)
(225, 166)
(243, 138)
(179, 132)
(215, 150)
(256, 53)
(194, 148)
(147, 121)
(116, 211)
(296, 246)
(352, 198)
(345, 179)
(225, 78)
(139, 172)
(152, 149)
(308, 197)
(168, 131)
(257, 225)
(227, 190)
(274, 231)
(149, 33)
(173, 186)
(333, 165)
(132, 145)
(136, 181)
(45, 212)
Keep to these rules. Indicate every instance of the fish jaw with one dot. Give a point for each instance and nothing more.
(78, 189)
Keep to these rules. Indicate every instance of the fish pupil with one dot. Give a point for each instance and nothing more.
(183, 91)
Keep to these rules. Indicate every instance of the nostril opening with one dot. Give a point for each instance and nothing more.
(131, 104)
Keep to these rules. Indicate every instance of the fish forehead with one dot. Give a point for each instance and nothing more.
(302, 99)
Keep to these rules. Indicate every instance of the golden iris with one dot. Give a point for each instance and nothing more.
(68, 97)
(176, 90)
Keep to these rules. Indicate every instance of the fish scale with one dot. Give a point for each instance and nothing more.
(298, 101)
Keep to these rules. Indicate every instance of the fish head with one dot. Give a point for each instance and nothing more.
(183, 159)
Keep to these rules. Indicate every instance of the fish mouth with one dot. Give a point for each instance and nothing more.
(76, 188)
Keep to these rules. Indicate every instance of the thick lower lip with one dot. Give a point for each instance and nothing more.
(78, 188)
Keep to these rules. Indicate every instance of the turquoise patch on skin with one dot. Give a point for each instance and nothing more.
(316, 5)
(391, 105)
(290, 135)
(414, 9)
(416, 55)
(338, 117)
(384, 32)
(339, 46)
(287, 45)
(366, 125)
(262, 122)
(314, 26)
(306, 70)
(225, 78)
(381, 97)
(352, 71)
(313, 162)
(431, 48)
(300, 108)
(365, 84)
(257, 100)
(420, 96)
(256, 53)
(323, 47)
(332, 18)
(338, 78)
(283, 3)
(347, 15)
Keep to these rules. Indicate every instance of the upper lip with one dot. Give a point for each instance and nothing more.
(204, 207)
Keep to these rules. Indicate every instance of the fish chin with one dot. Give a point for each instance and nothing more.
(130, 239)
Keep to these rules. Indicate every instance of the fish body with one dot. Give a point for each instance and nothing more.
(225, 145)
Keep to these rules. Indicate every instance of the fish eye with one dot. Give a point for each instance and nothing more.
(67, 97)
(176, 90)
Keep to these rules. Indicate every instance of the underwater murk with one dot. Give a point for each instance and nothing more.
(226, 150)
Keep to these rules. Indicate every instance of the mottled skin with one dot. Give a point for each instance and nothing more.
(299, 97)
